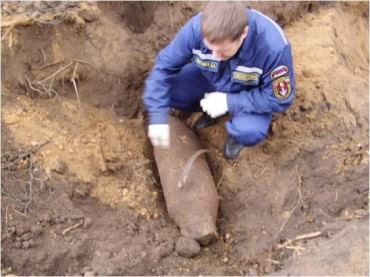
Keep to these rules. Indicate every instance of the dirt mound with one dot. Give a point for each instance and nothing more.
(346, 253)
(79, 190)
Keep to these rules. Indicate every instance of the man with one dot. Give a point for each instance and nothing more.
(224, 60)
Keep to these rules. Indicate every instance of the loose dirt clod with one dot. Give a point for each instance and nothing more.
(87, 222)
(59, 166)
(37, 230)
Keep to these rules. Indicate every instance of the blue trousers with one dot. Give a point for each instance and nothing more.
(188, 88)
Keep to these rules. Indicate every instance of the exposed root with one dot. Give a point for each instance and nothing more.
(42, 88)
(7, 32)
(300, 197)
(55, 73)
(23, 155)
(50, 64)
(73, 80)
(79, 224)
(301, 237)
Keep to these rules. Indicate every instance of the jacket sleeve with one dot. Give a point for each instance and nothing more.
(276, 92)
(169, 62)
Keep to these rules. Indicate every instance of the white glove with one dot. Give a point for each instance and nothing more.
(159, 135)
(215, 104)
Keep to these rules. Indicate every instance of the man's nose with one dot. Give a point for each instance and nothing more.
(217, 54)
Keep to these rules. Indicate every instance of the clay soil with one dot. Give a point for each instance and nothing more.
(80, 193)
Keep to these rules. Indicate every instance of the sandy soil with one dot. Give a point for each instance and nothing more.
(80, 192)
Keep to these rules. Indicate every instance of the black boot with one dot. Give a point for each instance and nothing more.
(204, 121)
(232, 148)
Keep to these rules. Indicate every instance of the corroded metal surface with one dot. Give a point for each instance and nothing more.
(194, 205)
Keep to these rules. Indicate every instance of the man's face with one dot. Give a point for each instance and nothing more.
(226, 49)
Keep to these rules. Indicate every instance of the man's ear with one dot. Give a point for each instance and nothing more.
(245, 33)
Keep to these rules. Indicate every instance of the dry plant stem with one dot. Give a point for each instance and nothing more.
(295, 206)
(20, 21)
(7, 32)
(26, 20)
(171, 17)
(46, 22)
(50, 86)
(79, 224)
(273, 261)
(43, 54)
(25, 154)
(73, 80)
(20, 213)
(55, 73)
(220, 180)
(7, 193)
(301, 237)
(32, 87)
(6, 216)
(26, 205)
(85, 62)
(295, 248)
(50, 64)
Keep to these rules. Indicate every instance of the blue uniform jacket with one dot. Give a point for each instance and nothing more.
(259, 78)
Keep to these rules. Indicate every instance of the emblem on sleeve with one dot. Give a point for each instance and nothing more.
(282, 87)
(279, 71)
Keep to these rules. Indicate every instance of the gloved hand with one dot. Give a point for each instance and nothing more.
(159, 135)
(215, 104)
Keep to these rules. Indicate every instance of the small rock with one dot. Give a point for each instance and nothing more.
(58, 221)
(59, 166)
(18, 244)
(225, 260)
(37, 230)
(84, 140)
(87, 222)
(124, 192)
(71, 4)
(40, 256)
(25, 244)
(251, 272)
(47, 218)
(89, 273)
(32, 243)
(22, 230)
(187, 247)
(89, 15)
(307, 73)
(80, 190)
(21, 10)
(12, 230)
(26, 236)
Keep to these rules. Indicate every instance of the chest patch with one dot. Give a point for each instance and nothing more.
(246, 75)
(206, 61)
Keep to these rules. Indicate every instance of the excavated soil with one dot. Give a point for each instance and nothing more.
(79, 190)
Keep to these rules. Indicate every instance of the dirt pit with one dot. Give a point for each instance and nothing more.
(79, 189)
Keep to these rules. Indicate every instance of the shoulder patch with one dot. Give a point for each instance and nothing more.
(279, 71)
(282, 88)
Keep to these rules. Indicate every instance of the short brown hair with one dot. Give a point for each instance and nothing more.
(222, 21)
